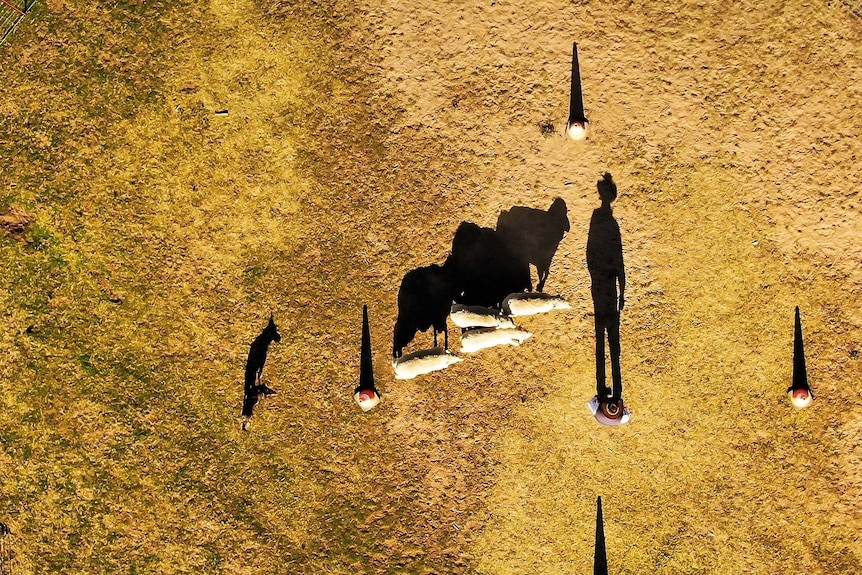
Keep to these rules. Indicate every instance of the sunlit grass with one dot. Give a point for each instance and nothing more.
(157, 248)
(716, 473)
(165, 234)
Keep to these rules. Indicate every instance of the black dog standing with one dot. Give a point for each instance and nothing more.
(254, 388)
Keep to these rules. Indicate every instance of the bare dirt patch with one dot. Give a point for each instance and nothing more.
(14, 223)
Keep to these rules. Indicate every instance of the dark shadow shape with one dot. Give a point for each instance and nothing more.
(254, 370)
(533, 235)
(600, 556)
(366, 367)
(424, 301)
(486, 270)
(800, 373)
(484, 267)
(605, 264)
(576, 99)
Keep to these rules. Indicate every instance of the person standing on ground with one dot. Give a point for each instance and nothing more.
(605, 264)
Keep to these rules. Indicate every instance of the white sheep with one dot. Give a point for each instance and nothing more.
(529, 303)
(480, 338)
(467, 316)
(422, 362)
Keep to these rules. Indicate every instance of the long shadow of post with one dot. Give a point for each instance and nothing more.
(576, 125)
(600, 555)
(605, 263)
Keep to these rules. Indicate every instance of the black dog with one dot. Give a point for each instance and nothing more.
(254, 369)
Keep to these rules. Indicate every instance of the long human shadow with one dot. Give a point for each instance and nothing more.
(607, 271)
(484, 266)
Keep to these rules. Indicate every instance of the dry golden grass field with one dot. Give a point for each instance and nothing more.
(156, 237)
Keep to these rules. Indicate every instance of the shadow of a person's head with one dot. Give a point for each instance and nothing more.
(607, 189)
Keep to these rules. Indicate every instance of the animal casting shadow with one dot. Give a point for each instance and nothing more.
(254, 387)
(482, 269)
